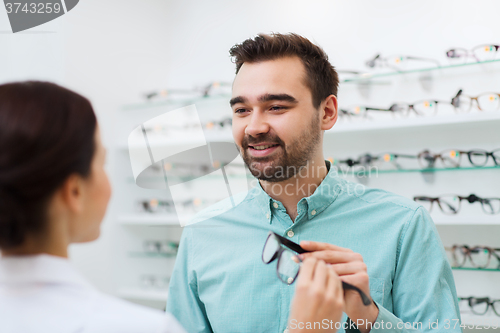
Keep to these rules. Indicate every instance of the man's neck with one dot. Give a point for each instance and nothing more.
(289, 192)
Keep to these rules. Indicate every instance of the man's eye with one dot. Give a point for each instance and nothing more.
(239, 111)
(277, 108)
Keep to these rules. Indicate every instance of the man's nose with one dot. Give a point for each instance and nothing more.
(258, 124)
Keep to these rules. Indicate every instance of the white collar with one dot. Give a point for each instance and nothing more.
(39, 268)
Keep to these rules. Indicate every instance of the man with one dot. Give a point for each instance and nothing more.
(284, 97)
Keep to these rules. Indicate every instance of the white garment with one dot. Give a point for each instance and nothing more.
(45, 294)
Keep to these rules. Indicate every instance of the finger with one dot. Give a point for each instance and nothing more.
(317, 246)
(320, 275)
(334, 257)
(349, 268)
(306, 272)
(334, 287)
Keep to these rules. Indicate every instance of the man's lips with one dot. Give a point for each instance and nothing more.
(262, 152)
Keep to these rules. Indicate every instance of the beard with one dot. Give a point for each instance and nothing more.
(287, 160)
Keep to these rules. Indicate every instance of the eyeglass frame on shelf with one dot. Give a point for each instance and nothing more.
(467, 254)
(472, 198)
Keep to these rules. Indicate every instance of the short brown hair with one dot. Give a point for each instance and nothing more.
(321, 77)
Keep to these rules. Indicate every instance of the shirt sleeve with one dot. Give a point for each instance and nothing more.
(183, 301)
(423, 292)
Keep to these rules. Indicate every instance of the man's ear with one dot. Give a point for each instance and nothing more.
(329, 112)
(72, 193)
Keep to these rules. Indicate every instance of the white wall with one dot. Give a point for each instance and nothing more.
(112, 51)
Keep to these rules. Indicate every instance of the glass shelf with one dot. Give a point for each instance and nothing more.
(366, 77)
(430, 170)
(362, 78)
(152, 255)
(475, 269)
(177, 102)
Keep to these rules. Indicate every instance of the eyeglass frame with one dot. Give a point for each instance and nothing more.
(411, 106)
(488, 301)
(472, 198)
(467, 254)
(298, 249)
(456, 100)
(469, 52)
(372, 63)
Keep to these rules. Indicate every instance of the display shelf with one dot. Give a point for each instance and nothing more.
(446, 122)
(151, 255)
(466, 220)
(141, 294)
(176, 102)
(150, 220)
(371, 75)
(471, 118)
(475, 269)
(430, 170)
(473, 320)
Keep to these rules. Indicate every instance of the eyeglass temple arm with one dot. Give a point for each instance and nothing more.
(366, 300)
(425, 59)
(297, 248)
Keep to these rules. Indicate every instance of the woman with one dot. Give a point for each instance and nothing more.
(54, 192)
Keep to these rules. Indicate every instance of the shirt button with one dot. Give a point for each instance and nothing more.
(275, 205)
(313, 212)
(267, 216)
(290, 233)
(286, 330)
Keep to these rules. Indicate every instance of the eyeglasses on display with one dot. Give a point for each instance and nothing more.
(450, 204)
(480, 305)
(166, 129)
(289, 263)
(485, 52)
(168, 206)
(203, 91)
(397, 62)
(479, 256)
(488, 101)
(451, 158)
(419, 108)
(165, 247)
(153, 281)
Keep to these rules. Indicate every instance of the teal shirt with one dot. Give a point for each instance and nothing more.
(220, 284)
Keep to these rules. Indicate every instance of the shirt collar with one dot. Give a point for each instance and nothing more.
(323, 196)
(40, 268)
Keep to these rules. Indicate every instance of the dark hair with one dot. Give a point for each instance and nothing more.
(321, 77)
(46, 134)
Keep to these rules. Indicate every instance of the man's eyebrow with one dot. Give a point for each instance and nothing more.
(278, 97)
(236, 100)
(266, 98)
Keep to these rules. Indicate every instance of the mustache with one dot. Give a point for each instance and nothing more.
(251, 142)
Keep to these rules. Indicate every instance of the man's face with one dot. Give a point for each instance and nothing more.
(272, 106)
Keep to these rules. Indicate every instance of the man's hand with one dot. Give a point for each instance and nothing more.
(318, 298)
(351, 269)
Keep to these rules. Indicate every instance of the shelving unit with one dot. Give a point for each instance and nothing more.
(347, 139)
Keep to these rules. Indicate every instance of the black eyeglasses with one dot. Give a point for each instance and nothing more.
(479, 256)
(450, 204)
(485, 102)
(368, 159)
(289, 263)
(480, 53)
(451, 158)
(481, 305)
